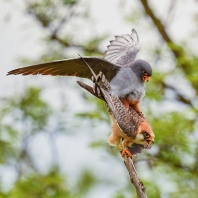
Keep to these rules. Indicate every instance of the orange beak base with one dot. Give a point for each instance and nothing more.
(146, 78)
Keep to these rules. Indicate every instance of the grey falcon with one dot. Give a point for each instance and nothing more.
(125, 74)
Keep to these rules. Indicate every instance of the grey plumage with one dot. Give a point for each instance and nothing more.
(126, 83)
(123, 49)
(136, 148)
(122, 52)
(118, 65)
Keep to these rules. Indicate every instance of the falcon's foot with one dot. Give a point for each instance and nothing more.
(125, 151)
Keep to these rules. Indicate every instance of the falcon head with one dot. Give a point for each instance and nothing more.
(145, 139)
(142, 69)
(144, 135)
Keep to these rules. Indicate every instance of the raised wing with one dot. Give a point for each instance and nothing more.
(71, 67)
(123, 49)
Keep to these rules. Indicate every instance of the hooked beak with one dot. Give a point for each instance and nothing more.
(146, 78)
(149, 143)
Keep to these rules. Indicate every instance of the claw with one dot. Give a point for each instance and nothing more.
(120, 147)
(124, 151)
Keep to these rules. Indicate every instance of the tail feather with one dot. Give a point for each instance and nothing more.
(88, 88)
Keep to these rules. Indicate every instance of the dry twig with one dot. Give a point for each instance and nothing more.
(139, 186)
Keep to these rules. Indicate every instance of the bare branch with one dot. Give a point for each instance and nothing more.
(176, 50)
(139, 186)
(65, 43)
(63, 21)
(170, 12)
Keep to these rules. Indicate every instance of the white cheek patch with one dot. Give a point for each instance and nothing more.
(139, 139)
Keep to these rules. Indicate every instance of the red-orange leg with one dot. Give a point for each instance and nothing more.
(125, 151)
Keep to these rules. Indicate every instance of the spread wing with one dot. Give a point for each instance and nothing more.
(123, 49)
(71, 67)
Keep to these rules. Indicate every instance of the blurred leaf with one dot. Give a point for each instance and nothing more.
(86, 181)
(51, 185)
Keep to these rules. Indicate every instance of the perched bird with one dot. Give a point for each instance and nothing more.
(125, 74)
(128, 126)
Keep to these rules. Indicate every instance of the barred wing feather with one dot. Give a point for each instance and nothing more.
(123, 49)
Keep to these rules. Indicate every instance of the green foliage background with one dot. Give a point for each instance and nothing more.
(169, 169)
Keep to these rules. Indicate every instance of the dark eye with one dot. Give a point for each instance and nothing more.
(145, 73)
(146, 135)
